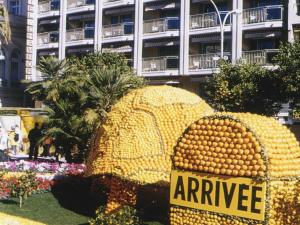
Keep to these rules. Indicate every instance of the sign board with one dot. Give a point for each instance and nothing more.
(296, 115)
(235, 196)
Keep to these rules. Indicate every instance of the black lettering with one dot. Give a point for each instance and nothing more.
(206, 193)
(192, 190)
(179, 190)
(217, 194)
(242, 197)
(228, 195)
(255, 199)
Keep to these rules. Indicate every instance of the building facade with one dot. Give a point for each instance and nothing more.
(12, 55)
(168, 41)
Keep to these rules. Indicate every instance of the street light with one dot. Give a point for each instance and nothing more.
(222, 24)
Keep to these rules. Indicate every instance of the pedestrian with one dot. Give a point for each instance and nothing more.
(46, 146)
(3, 145)
(33, 136)
(12, 143)
(18, 138)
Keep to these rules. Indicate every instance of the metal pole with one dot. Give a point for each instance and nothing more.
(222, 25)
(222, 32)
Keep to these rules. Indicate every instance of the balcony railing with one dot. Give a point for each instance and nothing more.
(162, 63)
(79, 3)
(116, 30)
(47, 6)
(260, 57)
(79, 34)
(262, 14)
(206, 61)
(161, 25)
(48, 37)
(206, 20)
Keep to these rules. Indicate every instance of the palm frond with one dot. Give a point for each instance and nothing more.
(5, 31)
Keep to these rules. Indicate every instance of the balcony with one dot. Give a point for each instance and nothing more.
(206, 61)
(167, 25)
(207, 20)
(116, 3)
(79, 3)
(262, 14)
(260, 57)
(160, 64)
(118, 30)
(48, 38)
(49, 8)
(80, 34)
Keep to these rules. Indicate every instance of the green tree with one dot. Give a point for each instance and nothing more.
(79, 92)
(288, 61)
(244, 88)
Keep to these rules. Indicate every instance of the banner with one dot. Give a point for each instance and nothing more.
(235, 196)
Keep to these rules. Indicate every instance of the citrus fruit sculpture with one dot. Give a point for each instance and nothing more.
(137, 140)
(242, 145)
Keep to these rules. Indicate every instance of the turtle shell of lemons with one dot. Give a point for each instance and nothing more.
(139, 135)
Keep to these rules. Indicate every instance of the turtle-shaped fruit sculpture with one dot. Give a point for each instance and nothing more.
(135, 143)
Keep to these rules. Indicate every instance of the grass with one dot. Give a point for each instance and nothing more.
(46, 209)
(71, 202)
(43, 208)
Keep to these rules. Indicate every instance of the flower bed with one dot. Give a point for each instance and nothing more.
(43, 167)
(7, 183)
(46, 174)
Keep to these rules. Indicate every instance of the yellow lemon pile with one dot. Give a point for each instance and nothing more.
(138, 138)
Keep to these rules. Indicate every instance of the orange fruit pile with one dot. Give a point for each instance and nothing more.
(242, 145)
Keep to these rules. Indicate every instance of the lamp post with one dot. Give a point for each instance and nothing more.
(222, 24)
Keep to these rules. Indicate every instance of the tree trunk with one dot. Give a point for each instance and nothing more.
(20, 201)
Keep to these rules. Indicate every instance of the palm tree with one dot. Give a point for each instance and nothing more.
(5, 32)
(79, 93)
(105, 86)
(53, 72)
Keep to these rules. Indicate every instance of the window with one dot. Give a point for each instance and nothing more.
(222, 6)
(2, 69)
(55, 4)
(265, 44)
(297, 34)
(14, 68)
(259, 3)
(121, 19)
(15, 7)
(89, 29)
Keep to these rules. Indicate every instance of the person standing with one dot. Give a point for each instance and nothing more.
(12, 144)
(3, 145)
(46, 146)
(18, 137)
(33, 136)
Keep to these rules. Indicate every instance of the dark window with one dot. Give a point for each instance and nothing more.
(259, 3)
(265, 44)
(55, 4)
(89, 29)
(114, 19)
(126, 18)
(15, 7)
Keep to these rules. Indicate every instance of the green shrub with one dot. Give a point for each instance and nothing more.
(125, 216)
(24, 186)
